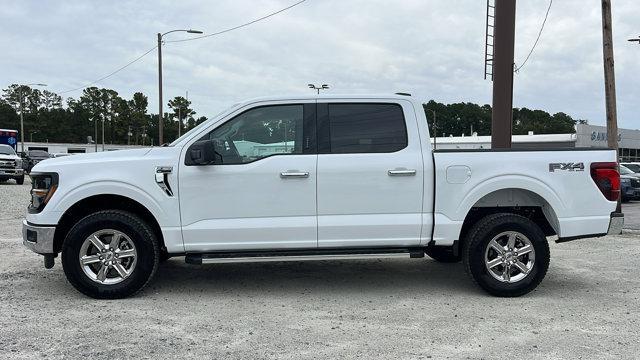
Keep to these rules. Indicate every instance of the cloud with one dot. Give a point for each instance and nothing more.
(433, 49)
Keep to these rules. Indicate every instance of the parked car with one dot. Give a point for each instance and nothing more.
(633, 166)
(57, 155)
(34, 157)
(10, 165)
(316, 178)
(629, 188)
(626, 171)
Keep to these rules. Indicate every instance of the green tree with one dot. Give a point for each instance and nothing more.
(181, 111)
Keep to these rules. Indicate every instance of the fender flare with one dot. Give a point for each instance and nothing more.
(118, 188)
(516, 182)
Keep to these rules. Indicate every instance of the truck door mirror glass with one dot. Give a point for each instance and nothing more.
(202, 152)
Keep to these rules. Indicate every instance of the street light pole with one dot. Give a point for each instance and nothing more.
(435, 129)
(160, 114)
(20, 98)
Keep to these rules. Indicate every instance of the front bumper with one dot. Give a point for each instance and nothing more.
(11, 172)
(38, 238)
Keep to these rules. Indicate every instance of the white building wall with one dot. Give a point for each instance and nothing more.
(64, 148)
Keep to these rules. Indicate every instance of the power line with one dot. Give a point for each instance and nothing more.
(112, 73)
(189, 39)
(537, 40)
(239, 26)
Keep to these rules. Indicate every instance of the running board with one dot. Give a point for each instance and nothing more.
(302, 255)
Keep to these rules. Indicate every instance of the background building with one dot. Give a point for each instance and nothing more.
(586, 136)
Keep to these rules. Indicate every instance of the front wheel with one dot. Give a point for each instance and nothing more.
(110, 254)
(20, 180)
(506, 254)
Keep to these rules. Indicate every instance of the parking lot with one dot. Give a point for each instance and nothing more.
(587, 307)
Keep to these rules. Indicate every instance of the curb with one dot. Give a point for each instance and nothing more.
(631, 231)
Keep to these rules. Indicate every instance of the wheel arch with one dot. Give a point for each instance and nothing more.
(94, 203)
(515, 200)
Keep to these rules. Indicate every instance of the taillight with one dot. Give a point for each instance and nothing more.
(607, 178)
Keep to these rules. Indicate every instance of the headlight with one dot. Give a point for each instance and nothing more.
(19, 163)
(625, 181)
(43, 186)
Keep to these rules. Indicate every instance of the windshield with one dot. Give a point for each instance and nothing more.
(201, 125)
(633, 167)
(6, 150)
(625, 171)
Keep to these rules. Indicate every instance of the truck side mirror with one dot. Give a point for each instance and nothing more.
(202, 152)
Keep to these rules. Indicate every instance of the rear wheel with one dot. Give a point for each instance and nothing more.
(20, 180)
(110, 254)
(506, 254)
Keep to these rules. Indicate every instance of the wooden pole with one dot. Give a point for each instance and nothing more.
(609, 76)
(502, 115)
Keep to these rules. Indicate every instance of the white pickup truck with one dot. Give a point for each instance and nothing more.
(316, 178)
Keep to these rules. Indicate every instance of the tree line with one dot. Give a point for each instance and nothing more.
(466, 118)
(47, 118)
(50, 118)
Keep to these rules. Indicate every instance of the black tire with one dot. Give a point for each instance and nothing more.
(142, 236)
(442, 254)
(477, 240)
(20, 180)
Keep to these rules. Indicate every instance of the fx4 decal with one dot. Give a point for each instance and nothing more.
(566, 167)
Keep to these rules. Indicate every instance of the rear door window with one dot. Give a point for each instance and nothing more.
(365, 128)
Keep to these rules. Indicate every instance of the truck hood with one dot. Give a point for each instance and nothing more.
(53, 164)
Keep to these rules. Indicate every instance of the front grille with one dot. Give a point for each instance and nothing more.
(10, 164)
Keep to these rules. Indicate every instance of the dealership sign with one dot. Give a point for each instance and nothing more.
(602, 136)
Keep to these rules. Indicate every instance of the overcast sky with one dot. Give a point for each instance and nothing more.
(432, 49)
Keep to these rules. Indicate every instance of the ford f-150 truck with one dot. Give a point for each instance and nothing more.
(316, 178)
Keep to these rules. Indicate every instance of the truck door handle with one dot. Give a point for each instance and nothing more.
(294, 174)
(403, 172)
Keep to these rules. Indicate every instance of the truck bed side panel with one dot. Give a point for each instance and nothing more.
(463, 178)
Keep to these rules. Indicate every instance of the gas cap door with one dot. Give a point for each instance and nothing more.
(458, 174)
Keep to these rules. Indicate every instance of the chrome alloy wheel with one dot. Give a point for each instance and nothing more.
(108, 256)
(509, 257)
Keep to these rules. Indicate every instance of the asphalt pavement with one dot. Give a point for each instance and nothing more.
(631, 212)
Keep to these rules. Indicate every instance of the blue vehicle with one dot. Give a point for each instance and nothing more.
(9, 137)
(629, 188)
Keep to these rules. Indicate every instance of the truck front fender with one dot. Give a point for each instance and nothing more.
(127, 190)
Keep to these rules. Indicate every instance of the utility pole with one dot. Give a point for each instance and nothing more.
(609, 76)
(21, 98)
(95, 140)
(504, 42)
(179, 120)
(21, 120)
(160, 117)
(103, 133)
